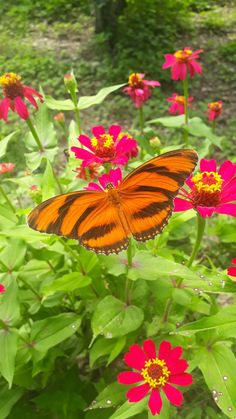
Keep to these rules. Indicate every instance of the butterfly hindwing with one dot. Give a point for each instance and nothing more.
(148, 192)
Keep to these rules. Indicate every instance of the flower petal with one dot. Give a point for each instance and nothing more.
(181, 379)
(231, 271)
(169, 61)
(114, 130)
(129, 377)
(99, 130)
(206, 211)
(155, 402)
(227, 170)
(173, 395)
(135, 358)
(137, 393)
(177, 366)
(149, 348)
(182, 205)
(176, 352)
(81, 153)
(115, 176)
(92, 186)
(152, 83)
(83, 139)
(208, 165)
(4, 107)
(164, 350)
(21, 108)
(229, 209)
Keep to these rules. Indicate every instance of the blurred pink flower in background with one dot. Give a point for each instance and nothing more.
(177, 104)
(182, 63)
(138, 88)
(214, 110)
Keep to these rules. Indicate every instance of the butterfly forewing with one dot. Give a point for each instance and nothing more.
(148, 192)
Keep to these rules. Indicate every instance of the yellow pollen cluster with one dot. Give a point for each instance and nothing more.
(149, 376)
(94, 142)
(9, 78)
(108, 140)
(124, 134)
(215, 106)
(180, 99)
(182, 53)
(208, 181)
(134, 79)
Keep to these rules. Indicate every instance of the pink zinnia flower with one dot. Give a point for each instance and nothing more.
(183, 62)
(210, 190)
(105, 148)
(15, 92)
(2, 288)
(214, 110)
(157, 372)
(139, 89)
(90, 172)
(232, 269)
(114, 177)
(6, 167)
(177, 106)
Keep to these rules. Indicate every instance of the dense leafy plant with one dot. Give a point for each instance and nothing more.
(67, 315)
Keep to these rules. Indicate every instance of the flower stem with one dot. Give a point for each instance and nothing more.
(201, 222)
(7, 199)
(141, 120)
(35, 135)
(129, 265)
(185, 85)
(57, 182)
(213, 126)
(76, 109)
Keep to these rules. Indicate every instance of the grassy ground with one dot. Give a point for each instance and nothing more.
(42, 52)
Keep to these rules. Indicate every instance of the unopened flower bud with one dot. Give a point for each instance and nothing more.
(59, 117)
(155, 142)
(70, 82)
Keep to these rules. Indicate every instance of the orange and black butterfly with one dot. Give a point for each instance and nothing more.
(139, 206)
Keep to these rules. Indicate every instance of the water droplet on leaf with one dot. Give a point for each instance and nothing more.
(109, 335)
(225, 378)
(109, 401)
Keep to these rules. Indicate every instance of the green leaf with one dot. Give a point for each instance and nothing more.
(224, 322)
(88, 101)
(218, 365)
(51, 331)
(128, 410)
(7, 218)
(100, 348)
(59, 105)
(67, 283)
(113, 318)
(33, 159)
(198, 128)
(45, 127)
(8, 345)
(4, 143)
(10, 307)
(8, 399)
(25, 233)
(48, 182)
(169, 121)
(109, 396)
(13, 255)
(116, 350)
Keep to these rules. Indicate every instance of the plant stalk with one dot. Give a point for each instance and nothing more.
(7, 199)
(35, 135)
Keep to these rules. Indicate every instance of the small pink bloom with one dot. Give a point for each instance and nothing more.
(156, 372)
(59, 117)
(232, 269)
(111, 179)
(33, 187)
(15, 92)
(6, 167)
(105, 148)
(90, 172)
(177, 104)
(210, 190)
(2, 288)
(183, 62)
(214, 110)
(138, 88)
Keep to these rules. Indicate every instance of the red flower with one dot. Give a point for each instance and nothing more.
(177, 106)
(232, 269)
(139, 89)
(6, 167)
(156, 372)
(210, 190)
(14, 92)
(182, 62)
(105, 148)
(90, 173)
(2, 288)
(114, 177)
(214, 110)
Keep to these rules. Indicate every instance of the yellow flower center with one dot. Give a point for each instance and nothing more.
(155, 372)
(183, 54)
(124, 134)
(107, 140)
(9, 78)
(208, 181)
(180, 99)
(134, 79)
(215, 106)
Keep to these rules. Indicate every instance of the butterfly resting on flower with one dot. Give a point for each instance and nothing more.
(103, 219)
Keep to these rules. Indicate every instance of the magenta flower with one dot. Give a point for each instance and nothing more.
(183, 62)
(210, 190)
(6, 167)
(114, 177)
(156, 372)
(232, 269)
(15, 92)
(177, 106)
(214, 110)
(2, 288)
(105, 148)
(139, 89)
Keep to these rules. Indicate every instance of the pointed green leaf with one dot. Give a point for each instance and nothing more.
(128, 410)
(4, 143)
(8, 399)
(110, 396)
(59, 105)
(33, 159)
(67, 283)
(169, 121)
(8, 345)
(9, 306)
(48, 182)
(88, 101)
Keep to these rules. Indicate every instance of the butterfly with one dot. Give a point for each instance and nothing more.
(139, 206)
